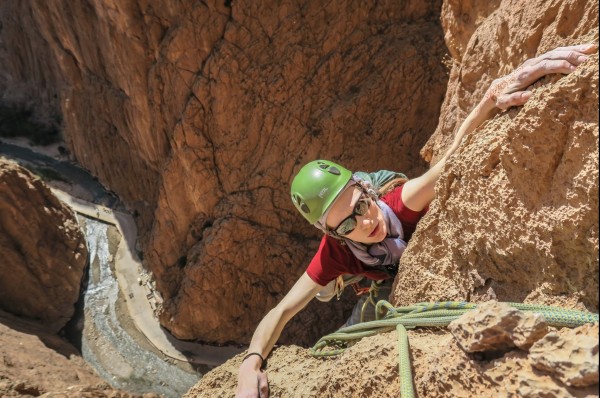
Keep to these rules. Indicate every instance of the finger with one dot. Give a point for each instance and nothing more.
(573, 56)
(263, 385)
(515, 99)
(588, 48)
(525, 76)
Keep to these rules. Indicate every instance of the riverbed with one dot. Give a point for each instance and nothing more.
(108, 340)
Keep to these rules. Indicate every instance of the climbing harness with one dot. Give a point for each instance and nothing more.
(438, 314)
(373, 292)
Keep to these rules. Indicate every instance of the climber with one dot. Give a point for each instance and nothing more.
(365, 226)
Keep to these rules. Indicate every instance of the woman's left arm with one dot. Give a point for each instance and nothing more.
(510, 90)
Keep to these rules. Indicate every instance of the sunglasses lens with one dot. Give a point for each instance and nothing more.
(362, 207)
(346, 226)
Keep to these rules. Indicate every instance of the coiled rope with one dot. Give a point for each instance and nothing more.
(438, 314)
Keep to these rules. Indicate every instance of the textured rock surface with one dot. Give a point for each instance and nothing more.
(43, 249)
(294, 373)
(197, 114)
(572, 355)
(516, 217)
(497, 327)
(440, 369)
(35, 362)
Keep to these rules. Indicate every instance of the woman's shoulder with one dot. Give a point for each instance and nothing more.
(380, 178)
(393, 195)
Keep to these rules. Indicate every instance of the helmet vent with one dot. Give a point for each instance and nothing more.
(334, 170)
(300, 203)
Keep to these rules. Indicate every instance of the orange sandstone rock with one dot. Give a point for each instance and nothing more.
(198, 114)
(494, 326)
(572, 356)
(43, 250)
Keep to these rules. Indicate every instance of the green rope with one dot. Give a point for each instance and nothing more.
(438, 314)
(406, 385)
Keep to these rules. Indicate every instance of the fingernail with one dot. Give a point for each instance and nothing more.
(582, 58)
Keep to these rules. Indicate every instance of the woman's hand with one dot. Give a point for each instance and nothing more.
(510, 90)
(507, 91)
(252, 382)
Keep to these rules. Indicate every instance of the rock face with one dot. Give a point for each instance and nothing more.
(198, 114)
(441, 368)
(43, 249)
(517, 373)
(516, 217)
(572, 355)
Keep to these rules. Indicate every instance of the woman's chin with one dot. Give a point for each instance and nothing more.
(379, 234)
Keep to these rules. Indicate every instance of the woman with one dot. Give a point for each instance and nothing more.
(374, 229)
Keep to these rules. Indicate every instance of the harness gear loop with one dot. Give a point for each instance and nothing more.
(373, 291)
(341, 283)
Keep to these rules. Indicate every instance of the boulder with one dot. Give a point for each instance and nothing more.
(35, 362)
(44, 251)
(571, 356)
(494, 326)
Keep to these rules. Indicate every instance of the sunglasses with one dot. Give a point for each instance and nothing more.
(349, 223)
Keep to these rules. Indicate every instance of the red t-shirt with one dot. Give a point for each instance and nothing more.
(334, 259)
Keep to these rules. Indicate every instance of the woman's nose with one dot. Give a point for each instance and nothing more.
(364, 222)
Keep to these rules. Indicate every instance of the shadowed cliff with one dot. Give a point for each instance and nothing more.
(197, 114)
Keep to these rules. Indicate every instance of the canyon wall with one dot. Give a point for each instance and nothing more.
(198, 114)
(517, 214)
(515, 219)
(43, 250)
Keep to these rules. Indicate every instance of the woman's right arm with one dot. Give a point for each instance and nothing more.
(251, 380)
(510, 90)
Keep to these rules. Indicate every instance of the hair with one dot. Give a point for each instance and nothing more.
(396, 182)
(373, 194)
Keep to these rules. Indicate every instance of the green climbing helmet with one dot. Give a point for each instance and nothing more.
(316, 186)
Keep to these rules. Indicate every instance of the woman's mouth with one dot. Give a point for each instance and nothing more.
(375, 231)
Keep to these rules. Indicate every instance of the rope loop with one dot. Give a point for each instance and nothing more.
(434, 314)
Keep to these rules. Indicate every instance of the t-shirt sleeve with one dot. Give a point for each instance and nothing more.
(408, 217)
(330, 261)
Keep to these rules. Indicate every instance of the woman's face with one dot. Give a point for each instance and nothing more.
(370, 227)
